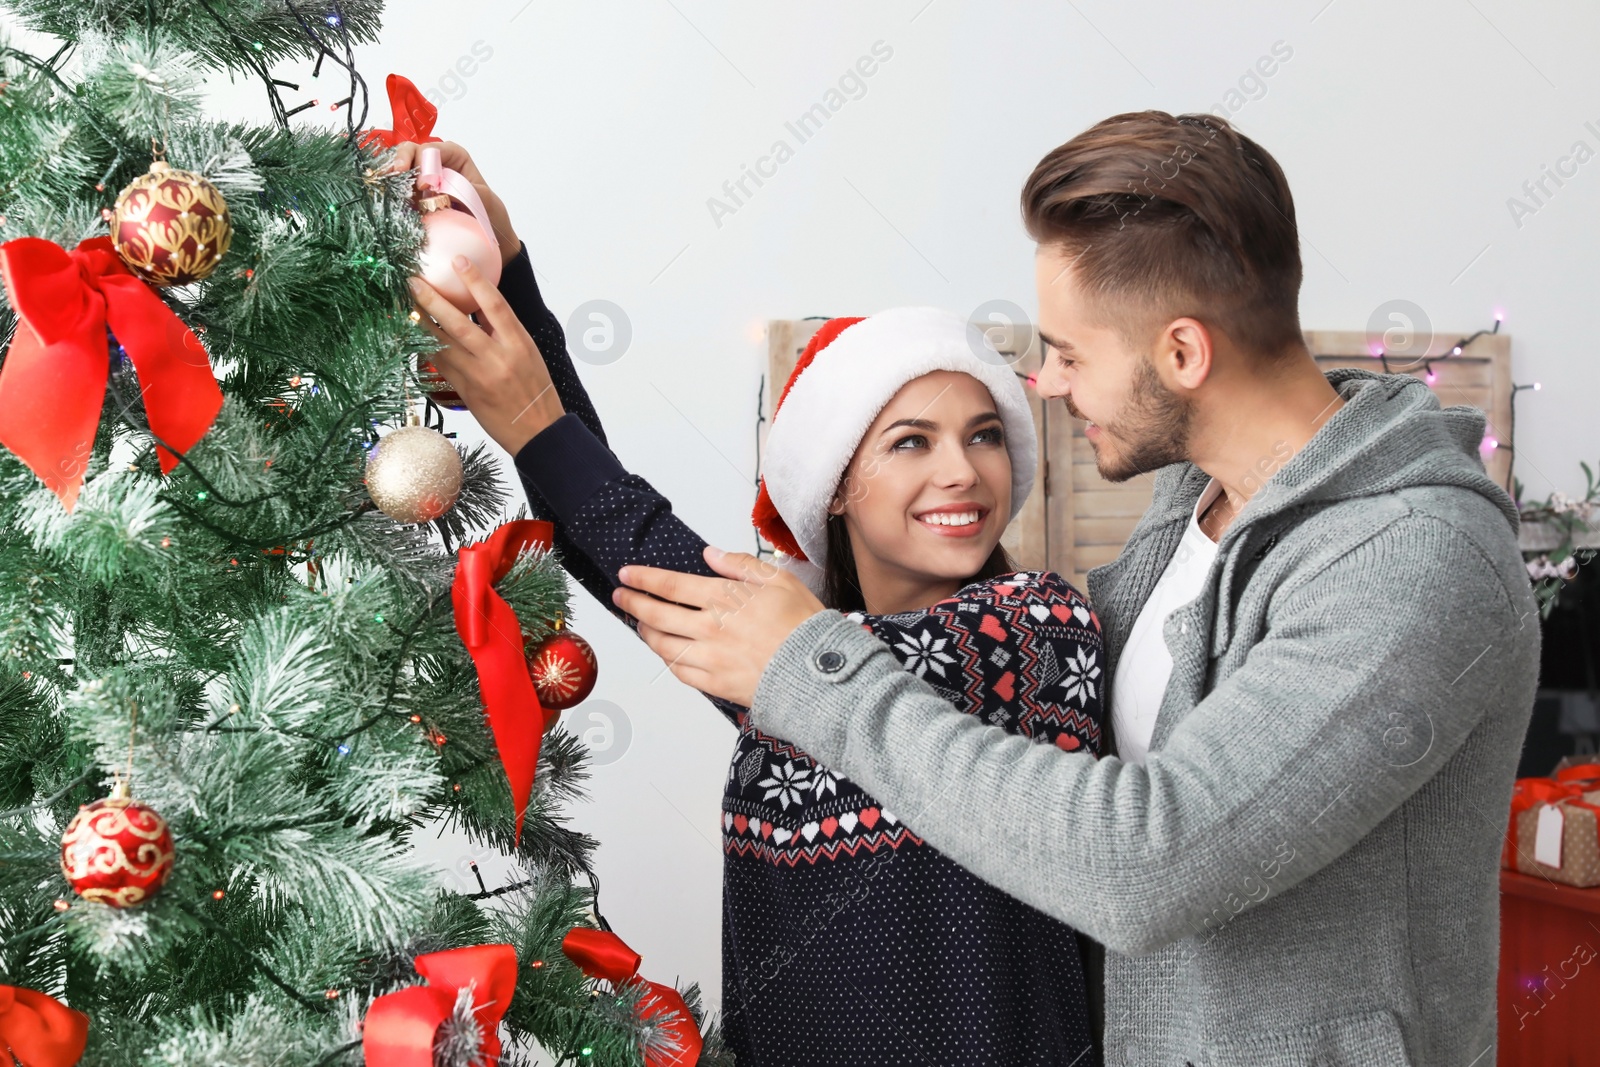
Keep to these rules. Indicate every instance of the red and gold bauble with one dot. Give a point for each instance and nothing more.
(170, 226)
(563, 668)
(117, 851)
(437, 386)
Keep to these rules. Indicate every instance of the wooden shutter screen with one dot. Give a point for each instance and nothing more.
(1075, 520)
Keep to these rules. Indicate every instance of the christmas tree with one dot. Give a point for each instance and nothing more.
(218, 634)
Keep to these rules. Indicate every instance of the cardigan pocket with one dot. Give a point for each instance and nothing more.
(1366, 1039)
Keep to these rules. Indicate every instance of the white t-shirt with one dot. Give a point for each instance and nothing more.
(1145, 664)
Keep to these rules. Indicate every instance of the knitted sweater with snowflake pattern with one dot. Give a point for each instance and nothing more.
(846, 939)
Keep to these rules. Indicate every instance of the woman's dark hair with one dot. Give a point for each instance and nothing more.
(841, 590)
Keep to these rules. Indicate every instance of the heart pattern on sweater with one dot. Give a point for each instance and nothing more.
(992, 652)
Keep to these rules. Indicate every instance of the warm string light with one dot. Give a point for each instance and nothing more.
(1382, 354)
(1511, 410)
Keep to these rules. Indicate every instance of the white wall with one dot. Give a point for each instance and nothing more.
(1403, 127)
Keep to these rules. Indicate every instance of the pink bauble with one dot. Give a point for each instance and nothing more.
(455, 233)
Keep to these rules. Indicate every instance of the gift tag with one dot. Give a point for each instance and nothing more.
(1547, 841)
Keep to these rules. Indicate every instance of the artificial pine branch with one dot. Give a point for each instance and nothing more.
(275, 660)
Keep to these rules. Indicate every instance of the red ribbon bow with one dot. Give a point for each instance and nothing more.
(489, 629)
(53, 384)
(413, 115)
(400, 1026)
(39, 1029)
(602, 954)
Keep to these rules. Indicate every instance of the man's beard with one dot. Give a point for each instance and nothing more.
(1150, 432)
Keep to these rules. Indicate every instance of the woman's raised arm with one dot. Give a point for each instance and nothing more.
(517, 377)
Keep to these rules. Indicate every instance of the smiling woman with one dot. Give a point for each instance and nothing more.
(903, 448)
(883, 420)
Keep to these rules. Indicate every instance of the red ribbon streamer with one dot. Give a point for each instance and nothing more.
(602, 954)
(400, 1026)
(414, 115)
(489, 629)
(39, 1029)
(1579, 772)
(53, 384)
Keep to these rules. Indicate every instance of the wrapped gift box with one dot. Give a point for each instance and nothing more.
(1571, 826)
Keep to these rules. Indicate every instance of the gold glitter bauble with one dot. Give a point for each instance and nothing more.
(414, 474)
(170, 226)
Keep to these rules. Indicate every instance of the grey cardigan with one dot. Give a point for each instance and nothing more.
(1304, 870)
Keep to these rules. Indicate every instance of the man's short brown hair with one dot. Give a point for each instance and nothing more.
(1168, 216)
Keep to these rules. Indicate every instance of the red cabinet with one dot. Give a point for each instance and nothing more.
(1549, 973)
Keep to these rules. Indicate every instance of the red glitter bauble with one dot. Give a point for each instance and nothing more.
(116, 851)
(563, 669)
(170, 226)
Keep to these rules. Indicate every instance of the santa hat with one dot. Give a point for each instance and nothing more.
(851, 369)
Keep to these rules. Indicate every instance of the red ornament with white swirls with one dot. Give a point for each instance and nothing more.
(563, 669)
(117, 851)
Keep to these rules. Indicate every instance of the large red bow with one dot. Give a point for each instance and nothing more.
(53, 384)
(489, 629)
(400, 1026)
(413, 115)
(602, 954)
(39, 1030)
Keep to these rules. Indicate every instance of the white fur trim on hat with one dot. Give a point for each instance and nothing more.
(835, 399)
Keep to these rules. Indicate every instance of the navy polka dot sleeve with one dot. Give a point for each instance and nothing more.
(846, 939)
(604, 517)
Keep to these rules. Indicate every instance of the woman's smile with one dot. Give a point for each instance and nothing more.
(958, 520)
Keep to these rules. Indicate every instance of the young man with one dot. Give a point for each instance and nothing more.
(1322, 643)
